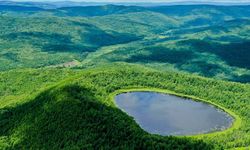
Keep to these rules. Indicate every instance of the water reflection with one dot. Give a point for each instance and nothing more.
(170, 115)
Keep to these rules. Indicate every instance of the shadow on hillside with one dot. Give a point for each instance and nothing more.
(202, 67)
(59, 38)
(234, 54)
(163, 55)
(91, 38)
(72, 118)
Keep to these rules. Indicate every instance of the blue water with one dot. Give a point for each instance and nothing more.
(166, 114)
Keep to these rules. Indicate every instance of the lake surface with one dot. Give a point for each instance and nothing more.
(171, 115)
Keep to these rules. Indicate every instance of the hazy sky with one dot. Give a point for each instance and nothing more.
(167, 1)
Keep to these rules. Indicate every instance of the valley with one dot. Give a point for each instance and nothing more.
(63, 66)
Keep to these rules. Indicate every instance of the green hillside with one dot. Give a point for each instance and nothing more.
(131, 34)
(58, 108)
(61, 67)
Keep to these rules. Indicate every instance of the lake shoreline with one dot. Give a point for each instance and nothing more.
(236, 119)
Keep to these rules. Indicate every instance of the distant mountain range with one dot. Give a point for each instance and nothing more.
(207, 40)
(59, 4)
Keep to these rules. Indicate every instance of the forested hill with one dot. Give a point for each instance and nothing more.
(102, 10)
(207, 40)
(60, 68)
(51, 108)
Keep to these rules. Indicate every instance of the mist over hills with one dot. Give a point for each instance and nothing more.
(59, 4)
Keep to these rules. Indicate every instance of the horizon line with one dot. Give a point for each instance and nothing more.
(149, 2)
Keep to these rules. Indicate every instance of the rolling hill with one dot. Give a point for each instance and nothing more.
(61, 66)
(132, 34)
(74, 108)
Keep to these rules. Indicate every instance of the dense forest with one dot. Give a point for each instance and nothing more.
(62, 108)
(206, 40)
(60, 68)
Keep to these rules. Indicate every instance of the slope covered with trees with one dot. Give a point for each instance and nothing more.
(106, 34)
(60, 67)
(73, 108)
